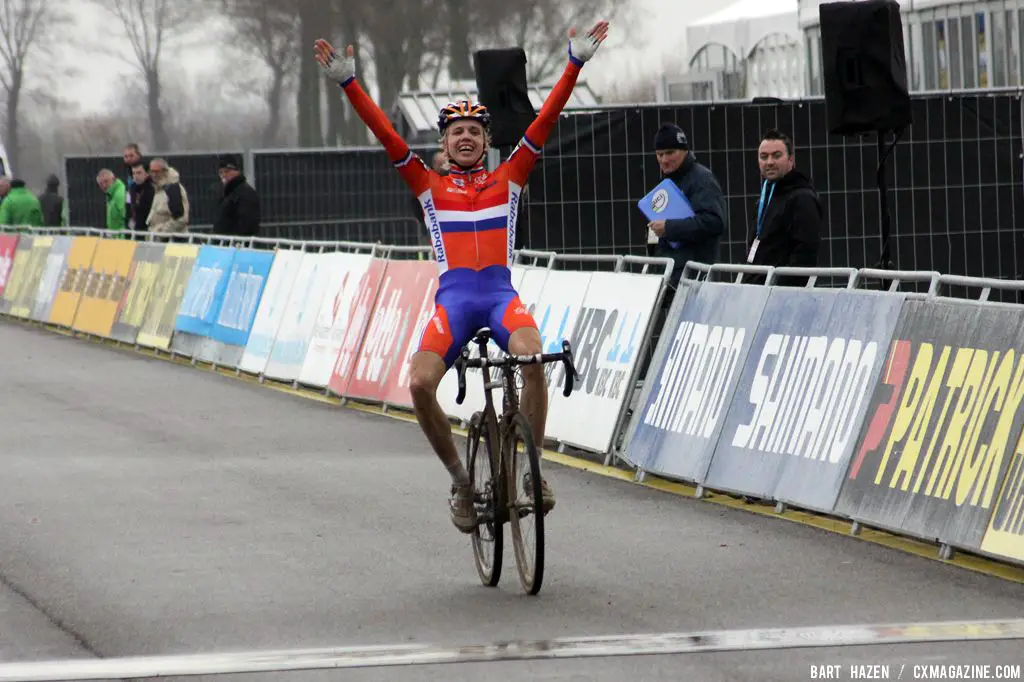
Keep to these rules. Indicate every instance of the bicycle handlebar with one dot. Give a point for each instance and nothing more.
(565, 357)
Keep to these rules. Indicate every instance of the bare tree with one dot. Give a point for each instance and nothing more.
(541, 28)
(150, 25)
(271, 28)
(23, 23)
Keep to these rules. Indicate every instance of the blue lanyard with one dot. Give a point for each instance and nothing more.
(761, 205)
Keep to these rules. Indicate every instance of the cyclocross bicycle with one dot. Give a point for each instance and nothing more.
(506, 481)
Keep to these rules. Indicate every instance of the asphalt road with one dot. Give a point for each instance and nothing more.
(148, 508)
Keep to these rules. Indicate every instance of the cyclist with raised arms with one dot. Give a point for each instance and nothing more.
(471, 216)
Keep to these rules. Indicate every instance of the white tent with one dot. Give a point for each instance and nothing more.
(742, 25)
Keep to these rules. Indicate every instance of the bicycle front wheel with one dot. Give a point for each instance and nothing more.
(487, 537)
(526, 513)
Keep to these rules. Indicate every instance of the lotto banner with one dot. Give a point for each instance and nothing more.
(360, 314)
(142, 283)
(19, 272)
(49, 282)
(28, 283)
(104, 287)
(204, 294)
(300, 316)
(271, 311)
(404, 304)
(8, 247)
(348, 276)
(802, 395)
(606, 341)
(943, 423)
(675, 431)
(1005, 534)
(175, 270)
(69, 293)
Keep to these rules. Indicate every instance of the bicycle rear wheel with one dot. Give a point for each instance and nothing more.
(487, 537)
(525, 503)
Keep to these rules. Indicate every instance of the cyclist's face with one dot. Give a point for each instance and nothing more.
(465, 142)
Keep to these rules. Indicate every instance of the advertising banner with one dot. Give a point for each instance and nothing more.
(348, 275)
(104, 286)
(8, 247)
(407, 289)
(175, 270)
(49, 282)
(142, 282)
(1005, 534)
(360, 314)
(271, 311)
(943, 423)
(246, 282)
(803, 394)
(200, 305)
(69, 294)
(605, 340)
(28, 283)
(19, 272)
(300, 316)
(676, 430)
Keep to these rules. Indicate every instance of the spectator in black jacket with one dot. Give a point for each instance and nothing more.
(239, 211)
(52, 203)
(696, 238)
(140, 198)
(789, 216)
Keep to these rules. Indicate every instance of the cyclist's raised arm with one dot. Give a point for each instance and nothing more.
(343, 72)
(581, 50)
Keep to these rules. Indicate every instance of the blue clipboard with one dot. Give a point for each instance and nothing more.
(665, 202)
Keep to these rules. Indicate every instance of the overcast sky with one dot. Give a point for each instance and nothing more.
(661, 37)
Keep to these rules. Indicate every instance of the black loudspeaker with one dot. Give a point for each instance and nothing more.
(501, 82)
(864, 67)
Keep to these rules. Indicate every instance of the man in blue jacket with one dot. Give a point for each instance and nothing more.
(696, 238)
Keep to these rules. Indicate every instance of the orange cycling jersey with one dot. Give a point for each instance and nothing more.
(470, 215)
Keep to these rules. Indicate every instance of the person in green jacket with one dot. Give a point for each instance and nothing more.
(21, 208)
(114, 188)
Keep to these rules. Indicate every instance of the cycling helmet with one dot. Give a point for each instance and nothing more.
(454, 111)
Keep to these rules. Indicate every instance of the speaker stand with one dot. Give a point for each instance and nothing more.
(885, 262)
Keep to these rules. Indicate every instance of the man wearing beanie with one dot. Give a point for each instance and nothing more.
(695, 238)
(239, 211)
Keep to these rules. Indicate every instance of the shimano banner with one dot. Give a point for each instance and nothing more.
(943, 423)
(692, 387)
(803, 394)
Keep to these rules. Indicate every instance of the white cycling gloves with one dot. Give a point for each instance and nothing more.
(583, 47)
(339, 68)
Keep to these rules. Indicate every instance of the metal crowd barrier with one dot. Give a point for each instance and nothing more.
(704, 412)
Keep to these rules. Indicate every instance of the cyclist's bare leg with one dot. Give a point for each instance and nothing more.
(534, 400)
(526, 341)
(424, 377)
